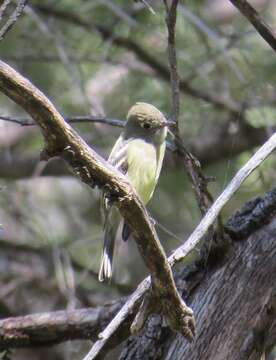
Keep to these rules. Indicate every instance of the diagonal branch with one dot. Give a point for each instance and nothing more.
(62, 140)
(266, 31)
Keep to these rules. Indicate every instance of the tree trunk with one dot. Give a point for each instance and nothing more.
(234, 300)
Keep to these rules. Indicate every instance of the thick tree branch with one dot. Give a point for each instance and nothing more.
(55, 327)
(63, 141)
(266, 32)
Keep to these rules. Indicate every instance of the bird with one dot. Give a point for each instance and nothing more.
(138, 154)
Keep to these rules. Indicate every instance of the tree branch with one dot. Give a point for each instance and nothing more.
(266, 32)
(192, 165)
(171, 15)
(55, 327)
(63, 141)
(70, 120)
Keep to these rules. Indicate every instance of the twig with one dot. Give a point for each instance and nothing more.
(192, 165)
(191, 243)
(147, 5)
(13, 18)
(70, 119)
(171, 14)
(266, 31)
(62, 140)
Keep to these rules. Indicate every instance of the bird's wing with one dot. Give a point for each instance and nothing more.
(117, 158)
(118, 155)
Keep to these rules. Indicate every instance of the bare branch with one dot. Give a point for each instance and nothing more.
(70, 119)
(266, 31)
(192, 165)
(62, 140)
(13, 18)
(171, 23)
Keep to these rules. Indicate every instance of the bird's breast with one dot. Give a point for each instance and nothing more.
(142, 168)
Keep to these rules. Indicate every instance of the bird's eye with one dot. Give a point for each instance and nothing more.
(146, 125)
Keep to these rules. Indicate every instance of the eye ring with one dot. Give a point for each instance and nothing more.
(146, 125)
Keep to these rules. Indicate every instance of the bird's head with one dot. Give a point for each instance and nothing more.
(147, 122)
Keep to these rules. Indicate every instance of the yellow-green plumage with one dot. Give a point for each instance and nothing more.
(139, 154)
(143, 160)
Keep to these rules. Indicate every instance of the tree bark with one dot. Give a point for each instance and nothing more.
(234, 301)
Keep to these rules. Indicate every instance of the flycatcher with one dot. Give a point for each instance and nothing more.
(138, 153)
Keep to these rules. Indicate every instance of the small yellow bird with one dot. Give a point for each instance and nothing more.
(138, 153)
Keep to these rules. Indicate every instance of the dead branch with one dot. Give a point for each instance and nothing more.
(266, 31)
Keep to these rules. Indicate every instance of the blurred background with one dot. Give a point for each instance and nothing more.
(98, 58)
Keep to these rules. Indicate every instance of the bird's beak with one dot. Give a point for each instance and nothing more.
(170, 123)
(167, 123)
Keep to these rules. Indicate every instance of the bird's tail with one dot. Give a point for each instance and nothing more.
(105, 272)
(110, 232)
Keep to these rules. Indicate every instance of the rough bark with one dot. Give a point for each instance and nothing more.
(54, 327)
(234, 298)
